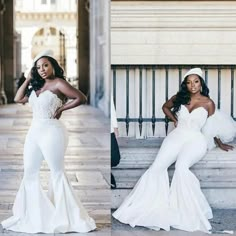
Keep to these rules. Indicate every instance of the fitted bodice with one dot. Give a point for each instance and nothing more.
(194, 120)
(44, 105)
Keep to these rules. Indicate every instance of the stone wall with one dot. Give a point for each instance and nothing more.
(170, 33)
(173, 32)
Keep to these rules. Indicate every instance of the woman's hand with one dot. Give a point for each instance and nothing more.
(75, 96)
(167, 106)
(226, 147)
(175, 123)
(223, 146)
(58, 113)
(28, 78)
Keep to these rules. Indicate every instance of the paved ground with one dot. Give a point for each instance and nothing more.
(224, 222)
(87, 160)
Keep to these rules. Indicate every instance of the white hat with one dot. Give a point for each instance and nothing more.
(48, 53)
(194, 71)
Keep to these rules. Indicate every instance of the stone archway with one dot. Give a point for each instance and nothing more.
(50, 38)
(90, 67)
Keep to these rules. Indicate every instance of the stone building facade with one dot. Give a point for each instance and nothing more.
(169, 37)
(77, 34)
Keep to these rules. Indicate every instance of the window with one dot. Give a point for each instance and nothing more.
(53, 1)
(43, 1)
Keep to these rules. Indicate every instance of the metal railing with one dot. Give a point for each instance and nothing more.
(153, 119)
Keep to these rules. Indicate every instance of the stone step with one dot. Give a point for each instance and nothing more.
(71, 151)
(101, 216)
(79, 180)
(88, 204)
(90, 156)
(142, 158)
(219, 198)
(211, 160)
(216, 171)
(209, 178)
(141, 155)
(99, 196)
(17, 165)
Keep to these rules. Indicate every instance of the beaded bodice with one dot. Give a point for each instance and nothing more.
(44, 105)
(193, 120)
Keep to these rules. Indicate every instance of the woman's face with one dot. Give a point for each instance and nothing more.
(44, 68)
(193, 84)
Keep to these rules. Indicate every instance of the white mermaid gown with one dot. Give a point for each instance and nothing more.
(153, 203)
(60, 210)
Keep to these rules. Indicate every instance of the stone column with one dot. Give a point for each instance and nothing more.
(83, 45)
(93, 21)
(104, 102)
(100, 54)
(3, 98)
(18, 55)
(9, 49)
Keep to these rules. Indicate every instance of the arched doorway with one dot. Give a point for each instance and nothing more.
(50, 38)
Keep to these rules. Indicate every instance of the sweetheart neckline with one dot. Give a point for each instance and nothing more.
(37, 96)
(190, 112)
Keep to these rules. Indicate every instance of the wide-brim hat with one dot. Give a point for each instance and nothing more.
(48, 53)
(194, 71)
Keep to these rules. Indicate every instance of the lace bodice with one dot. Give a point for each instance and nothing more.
(45, 105)
(194, 120)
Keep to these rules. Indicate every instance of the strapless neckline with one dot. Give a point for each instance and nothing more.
(44, 92)
(195, 109)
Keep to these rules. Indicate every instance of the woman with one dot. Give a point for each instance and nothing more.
(46, 90)
(152, 203)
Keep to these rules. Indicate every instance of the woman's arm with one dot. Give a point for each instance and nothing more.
(20, 96)
(223, 146)
(217, 140)
(167, 106)
(76, 96)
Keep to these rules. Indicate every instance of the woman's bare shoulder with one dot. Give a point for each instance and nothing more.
(61, 83)
(210, 102)
(59, 80)
(210, 106)
(173, 97)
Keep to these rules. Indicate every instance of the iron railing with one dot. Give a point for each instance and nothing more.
(153, 119)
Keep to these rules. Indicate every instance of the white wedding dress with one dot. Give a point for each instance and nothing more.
(60, 210)
(153, 203)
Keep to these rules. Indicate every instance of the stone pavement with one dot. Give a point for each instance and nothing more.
(223, 220)
(87, 160)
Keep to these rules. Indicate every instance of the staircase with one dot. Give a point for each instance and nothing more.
(216, 171)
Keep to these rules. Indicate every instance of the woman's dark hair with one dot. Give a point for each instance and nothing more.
(183, 96)
(37, 82)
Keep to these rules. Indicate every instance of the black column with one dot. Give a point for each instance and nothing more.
(83, 46)
(9, 48)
